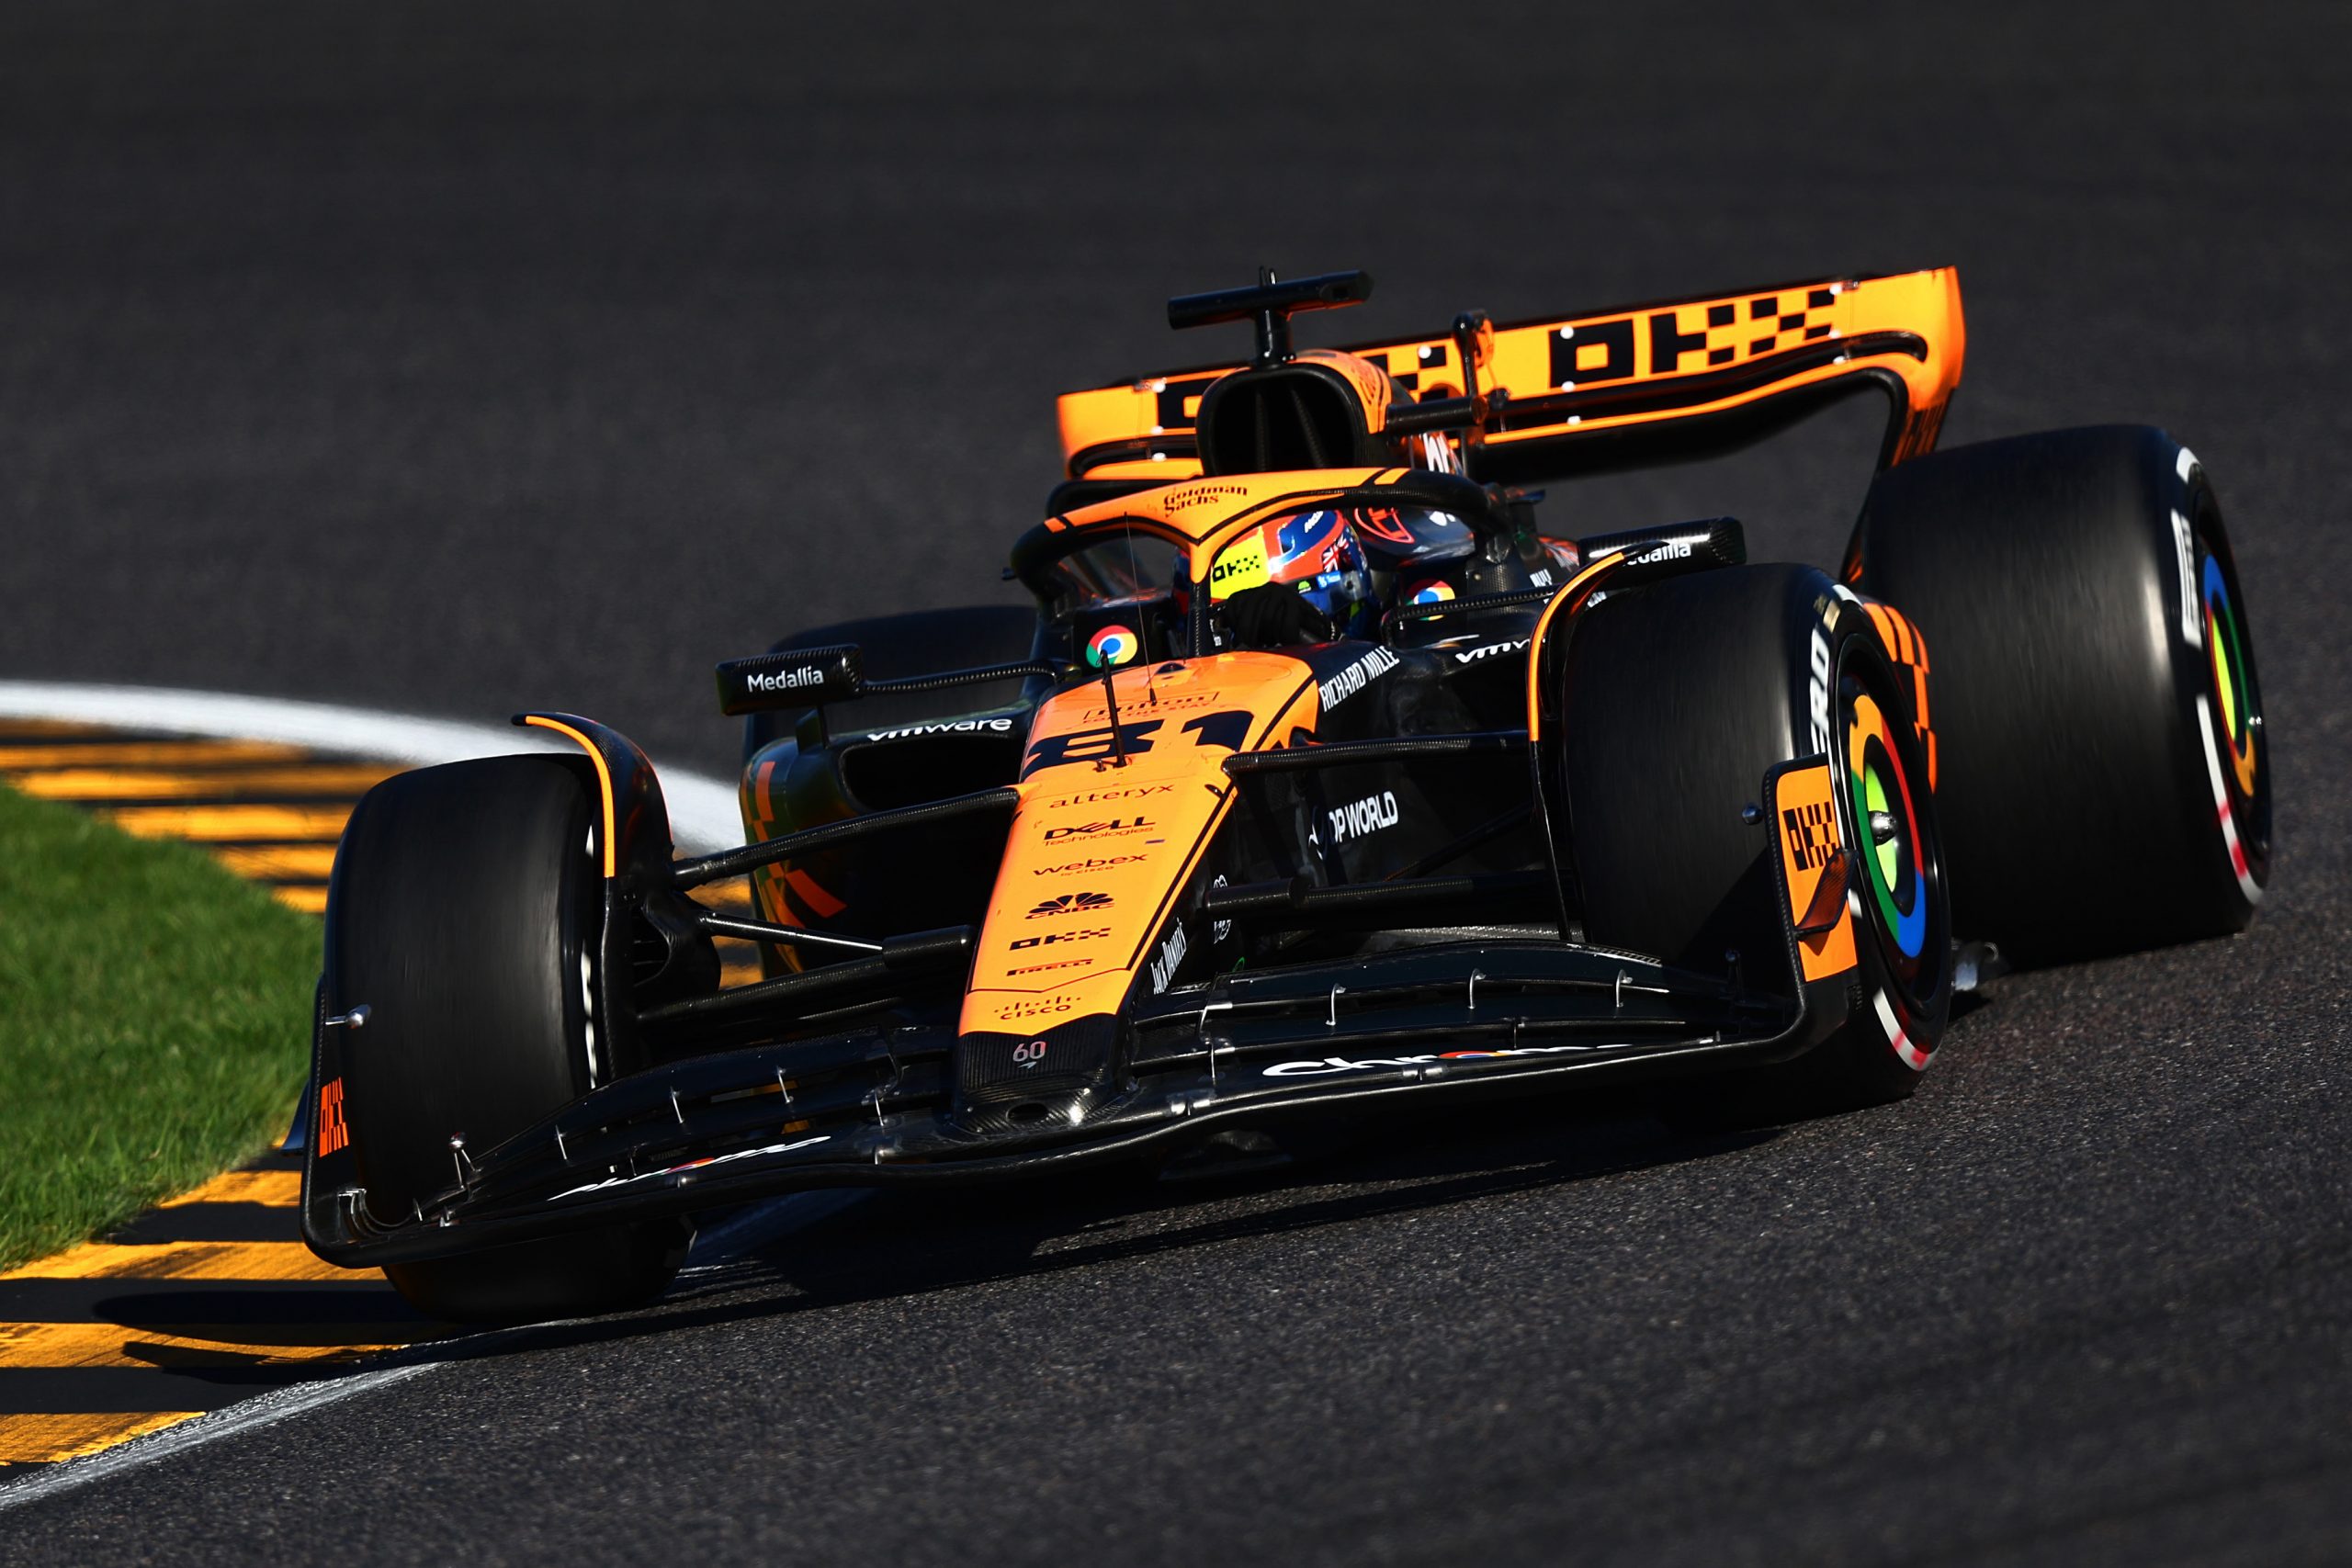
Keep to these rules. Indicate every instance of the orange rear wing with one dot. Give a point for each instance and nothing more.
(1628, 387)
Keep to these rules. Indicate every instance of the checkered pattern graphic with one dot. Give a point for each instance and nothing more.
(1686, 339)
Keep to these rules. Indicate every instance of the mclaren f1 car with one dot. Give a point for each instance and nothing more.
(1316, 777)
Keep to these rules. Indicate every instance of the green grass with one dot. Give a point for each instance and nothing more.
(154, 1023)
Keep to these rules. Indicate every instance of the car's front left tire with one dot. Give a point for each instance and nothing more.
(1675, 701)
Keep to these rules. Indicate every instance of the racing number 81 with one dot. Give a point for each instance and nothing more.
(1226, 729)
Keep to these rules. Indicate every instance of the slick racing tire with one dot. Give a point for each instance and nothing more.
(466, 911)
(2104, 771)
(1675, 701)
(921, 642)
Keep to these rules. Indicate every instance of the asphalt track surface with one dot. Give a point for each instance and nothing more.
(450, 361)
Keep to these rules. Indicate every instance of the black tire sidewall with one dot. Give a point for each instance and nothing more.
(2056, 596)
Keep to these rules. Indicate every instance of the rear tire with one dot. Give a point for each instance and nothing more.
(1685, 693)
(2104, 770)
(466, 911)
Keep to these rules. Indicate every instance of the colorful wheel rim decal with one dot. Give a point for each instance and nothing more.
(1113, 646)
(1898, 1034)
(1892, 868)
(2228, 662)
(1890, 853)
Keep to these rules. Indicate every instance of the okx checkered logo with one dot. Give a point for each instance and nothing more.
(1813, 833)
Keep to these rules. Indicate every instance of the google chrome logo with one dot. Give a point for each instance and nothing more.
(1436, 590)
(1112, 646)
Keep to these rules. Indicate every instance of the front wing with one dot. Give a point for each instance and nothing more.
(873, 1106)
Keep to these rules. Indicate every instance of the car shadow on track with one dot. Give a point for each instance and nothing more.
(897, 1243)
(900, 1242)
(839, 1247)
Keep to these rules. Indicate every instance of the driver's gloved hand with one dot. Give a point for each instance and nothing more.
(1275, 615)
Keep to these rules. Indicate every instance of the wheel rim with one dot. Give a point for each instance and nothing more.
(2235, 707)
(1886, 817)
(1897, 868)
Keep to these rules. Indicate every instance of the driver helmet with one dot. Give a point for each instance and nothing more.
(1316, 554)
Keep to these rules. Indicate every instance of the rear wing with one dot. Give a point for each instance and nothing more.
(1631, 387)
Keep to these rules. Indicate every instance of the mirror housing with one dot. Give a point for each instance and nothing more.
(804, 677)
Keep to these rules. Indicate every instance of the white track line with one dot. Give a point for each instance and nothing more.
(761, 1226)
(262, 1410)
(703, 810)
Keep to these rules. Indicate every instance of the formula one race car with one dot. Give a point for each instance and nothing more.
(1318, 779)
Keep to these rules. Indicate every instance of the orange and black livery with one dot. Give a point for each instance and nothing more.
(1316, 773)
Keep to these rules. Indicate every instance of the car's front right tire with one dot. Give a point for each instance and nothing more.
(465, 914)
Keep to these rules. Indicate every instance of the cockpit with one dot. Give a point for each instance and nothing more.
(1124, 590)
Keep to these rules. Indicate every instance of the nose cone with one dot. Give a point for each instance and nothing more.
(1041, 1081)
